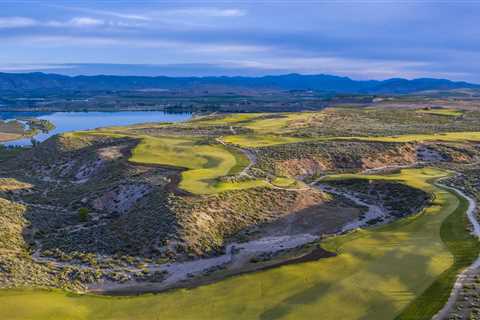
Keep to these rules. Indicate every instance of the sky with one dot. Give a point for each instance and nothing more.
(359, 39)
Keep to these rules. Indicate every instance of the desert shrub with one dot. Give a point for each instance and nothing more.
(83, 214)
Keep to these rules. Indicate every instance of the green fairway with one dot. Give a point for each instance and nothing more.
(447, 136)
(284, 182)
(377, 274)
(282, 122)
(443, 112)
(231, 119)
(465, 249)
(205, 163)
(257, 141)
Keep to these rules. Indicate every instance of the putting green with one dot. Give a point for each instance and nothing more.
(377, 273)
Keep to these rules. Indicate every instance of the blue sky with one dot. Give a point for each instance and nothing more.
(360, 39)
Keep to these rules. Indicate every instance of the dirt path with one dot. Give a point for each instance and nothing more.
(252, 157)
(473, 269)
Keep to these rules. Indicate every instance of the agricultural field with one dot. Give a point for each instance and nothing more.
(287, 214)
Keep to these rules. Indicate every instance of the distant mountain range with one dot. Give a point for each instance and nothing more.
(19, 82)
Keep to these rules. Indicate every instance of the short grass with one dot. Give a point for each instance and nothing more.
(261, 122)
(283, 122)
(447, 137)
(205, 163)
(258, 141)
(241, 159)
(284, 182)
(231, 119)
(464, 248)
(443, 112)
(377, 273)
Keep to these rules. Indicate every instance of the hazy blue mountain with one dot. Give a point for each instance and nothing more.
(42, 81)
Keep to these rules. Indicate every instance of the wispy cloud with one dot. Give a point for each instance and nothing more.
(96, 41)
(108, 13)
(360, 68)
(75, 22)
(28, 67)
(203, 12)
(16, 22)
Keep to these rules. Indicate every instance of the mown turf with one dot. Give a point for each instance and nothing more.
(443, 112)
(227, 119)
(241, 159)
(377, 273)
(282, 122)
(447, 137)
(257, 141)
(284, 182)
(465, 249)
(205, 163)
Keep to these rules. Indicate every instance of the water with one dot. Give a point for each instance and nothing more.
(74, 121)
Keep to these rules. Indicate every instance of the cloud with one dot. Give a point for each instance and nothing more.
(109, 13)
(85, 21)
(95, 41)
(55, 41)
(204, 12)
(373, 39)
(16, 22)
(76, 22)
(29, 67)
(358, 68)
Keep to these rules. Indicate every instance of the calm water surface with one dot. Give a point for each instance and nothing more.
(73, 121)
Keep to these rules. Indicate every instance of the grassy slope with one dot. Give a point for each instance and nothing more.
(377, 273)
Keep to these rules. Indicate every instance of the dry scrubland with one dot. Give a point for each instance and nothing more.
(158, 193)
